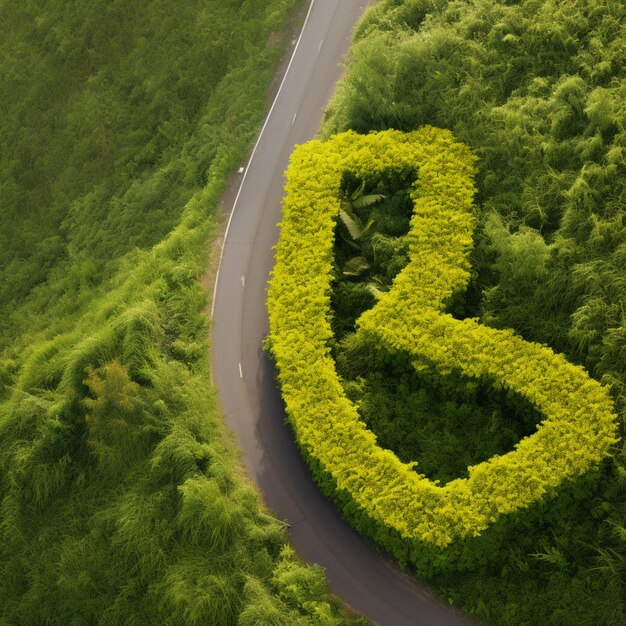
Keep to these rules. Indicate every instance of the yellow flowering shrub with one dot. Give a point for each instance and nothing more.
(579, 426)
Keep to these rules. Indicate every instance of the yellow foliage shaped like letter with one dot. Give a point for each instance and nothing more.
(579, 425)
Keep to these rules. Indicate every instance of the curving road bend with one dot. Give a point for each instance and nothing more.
(363, 577)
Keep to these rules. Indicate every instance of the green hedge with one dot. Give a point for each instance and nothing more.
(371, 483)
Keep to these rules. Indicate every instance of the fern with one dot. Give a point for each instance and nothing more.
(352, 223)
(356, 266)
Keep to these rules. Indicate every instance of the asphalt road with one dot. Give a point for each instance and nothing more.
(363, 577)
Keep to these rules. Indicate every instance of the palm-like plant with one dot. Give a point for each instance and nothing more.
(358, 231)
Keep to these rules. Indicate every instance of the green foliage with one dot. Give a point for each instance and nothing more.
(114, 421)
(111, 130)
(536, 89)
(121, 497)
(353, 224)
(448, 423)
(356, 266)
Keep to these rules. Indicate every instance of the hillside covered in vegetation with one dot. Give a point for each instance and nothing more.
(121, 497)
(536, 89)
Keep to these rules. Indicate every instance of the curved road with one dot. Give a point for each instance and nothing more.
(364, 578)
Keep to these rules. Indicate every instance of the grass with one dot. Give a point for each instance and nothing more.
(121, 497)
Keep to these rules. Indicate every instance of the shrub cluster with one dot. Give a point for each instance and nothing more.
(372, 483)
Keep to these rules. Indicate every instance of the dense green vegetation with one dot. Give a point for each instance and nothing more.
(121, 498)
(537, 89)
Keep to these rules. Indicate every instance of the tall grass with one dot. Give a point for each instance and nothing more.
(121, 499)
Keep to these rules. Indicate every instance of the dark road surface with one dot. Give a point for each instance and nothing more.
(364, 578)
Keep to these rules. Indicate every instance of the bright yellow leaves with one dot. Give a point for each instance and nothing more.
(579, 425)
